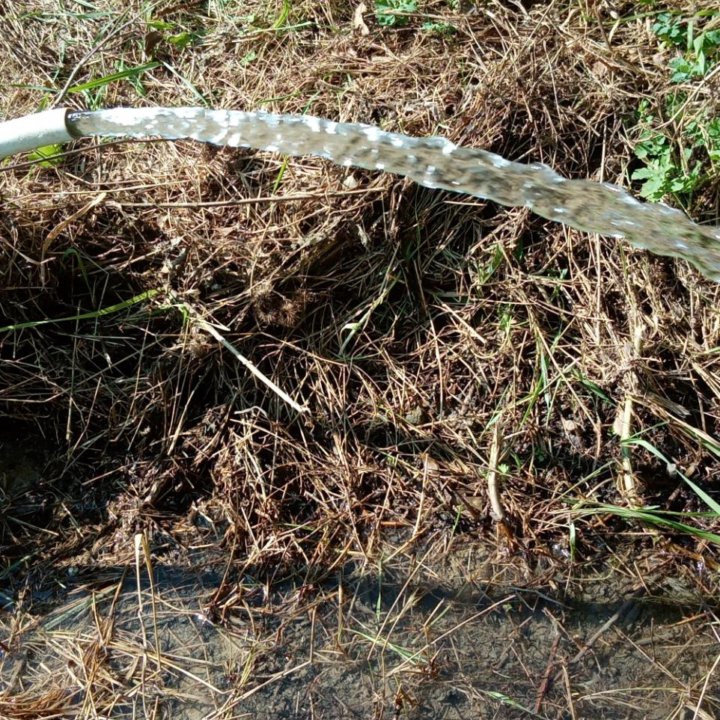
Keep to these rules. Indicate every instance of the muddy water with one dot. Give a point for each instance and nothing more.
(20, 463)
(464, 639)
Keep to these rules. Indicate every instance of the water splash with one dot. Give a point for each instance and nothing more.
(433, 162)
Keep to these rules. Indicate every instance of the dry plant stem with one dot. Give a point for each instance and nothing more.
(628, 483)
(629, 487)
(251, 367)
(244, 361)
(498, 513)
(62, 226)
(567, 685)
(698, 712)
(617, 615)
(434, 162)
(143, 547)
(547, 675)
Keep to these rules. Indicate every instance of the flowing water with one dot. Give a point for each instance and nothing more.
(433, 162)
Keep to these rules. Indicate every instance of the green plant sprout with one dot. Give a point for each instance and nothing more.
(439, 28)
(394, 12)
(700, 51)
(48, 156)
(680, 161)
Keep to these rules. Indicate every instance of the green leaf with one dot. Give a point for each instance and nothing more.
(683, 70)
(393, 12)
(48, 156)
(653, 516)
(711, 40)
(161, 25)
(439, 28)
(641, 442)
(670, 29)
(107, 79)
(248, 57)
(91, 315)
(181, 40)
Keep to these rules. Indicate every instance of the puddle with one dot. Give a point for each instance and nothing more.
(21, 462)
(396, 645)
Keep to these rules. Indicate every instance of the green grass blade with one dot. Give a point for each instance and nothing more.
(640, 442)
(133, 72)
(111, 309)
(657, 518)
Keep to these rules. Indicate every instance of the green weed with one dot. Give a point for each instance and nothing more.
(677, 164)
(394, 12)
(282, 18)
(701, 494)
(91, 315)
(124, 74)
(700, 50)
(397, 13)
(670, 29)
(665, 171)
(48, 156)
(439, 28)
(174, 34)
(678, 145)
(657, 518)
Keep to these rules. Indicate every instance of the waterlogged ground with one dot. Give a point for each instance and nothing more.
(465, 637)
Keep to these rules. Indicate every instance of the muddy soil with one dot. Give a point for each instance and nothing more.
(420, 642)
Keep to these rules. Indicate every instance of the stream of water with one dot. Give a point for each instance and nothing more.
(434, 162)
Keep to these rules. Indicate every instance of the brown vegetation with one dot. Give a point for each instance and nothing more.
(439, 345)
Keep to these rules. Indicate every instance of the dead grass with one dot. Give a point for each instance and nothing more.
(432, 338)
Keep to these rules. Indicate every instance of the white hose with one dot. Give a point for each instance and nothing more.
(33, 131)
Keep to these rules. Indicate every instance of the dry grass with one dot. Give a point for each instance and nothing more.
(435, 341)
